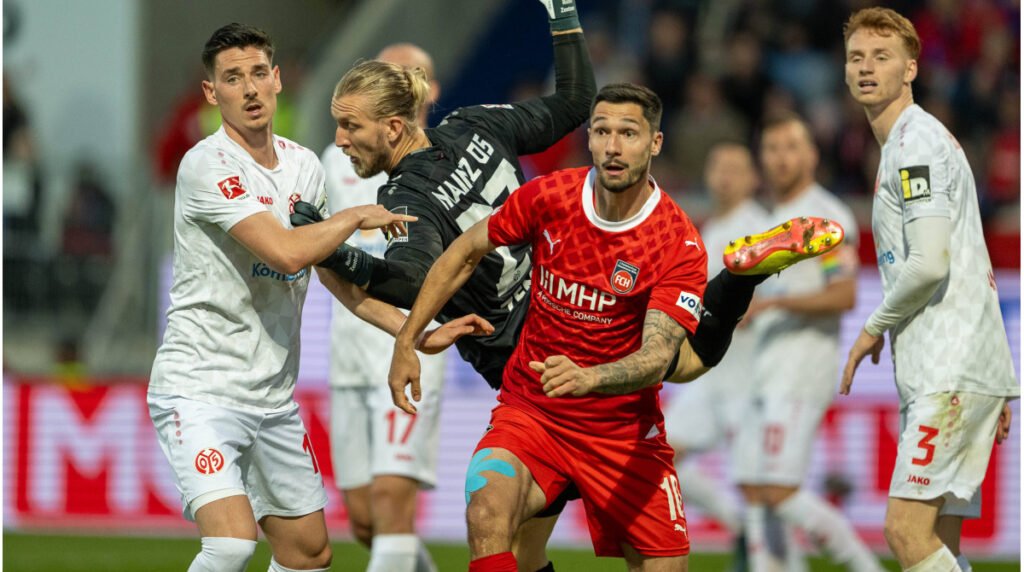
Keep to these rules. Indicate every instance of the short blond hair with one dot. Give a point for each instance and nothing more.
(393, 90)
(884, 22)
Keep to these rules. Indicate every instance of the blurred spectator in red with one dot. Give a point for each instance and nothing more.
(1003, 168)
(191, 119)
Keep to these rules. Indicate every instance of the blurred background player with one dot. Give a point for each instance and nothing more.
(220, 393)
(706, 414)
(382, 455)
(799, 313)
(953, 369)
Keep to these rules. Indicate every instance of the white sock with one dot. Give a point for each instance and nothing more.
(275, 567)
(759, 558)
(424, 562)
(961, 561)
(942, 560)
(702, 492)
(393, 553)
(816, 517)
(795, 560)
(223, 554)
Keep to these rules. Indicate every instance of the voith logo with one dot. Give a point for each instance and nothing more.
(624, 277)
(231, 187)
(209, 461)
(691, 303)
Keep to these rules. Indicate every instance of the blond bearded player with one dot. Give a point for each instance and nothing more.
(382, 455)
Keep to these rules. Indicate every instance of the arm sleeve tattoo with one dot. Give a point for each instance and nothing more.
(645, 367)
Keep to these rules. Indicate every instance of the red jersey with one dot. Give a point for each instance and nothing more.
(593, 282)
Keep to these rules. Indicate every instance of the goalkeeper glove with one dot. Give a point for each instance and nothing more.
(562, 14)
(348, 262)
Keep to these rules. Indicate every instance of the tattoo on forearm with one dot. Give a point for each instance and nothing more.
(646, 366)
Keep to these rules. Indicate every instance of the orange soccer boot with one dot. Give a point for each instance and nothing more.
(782, 246)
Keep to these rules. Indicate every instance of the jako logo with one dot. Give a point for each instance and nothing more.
(916, 480)
(690, 303)
(260, 270)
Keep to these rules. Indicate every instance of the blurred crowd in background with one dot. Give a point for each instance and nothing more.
(720, 66)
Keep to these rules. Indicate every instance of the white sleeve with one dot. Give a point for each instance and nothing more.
(215, 192)
(923, 168)
(926, 268)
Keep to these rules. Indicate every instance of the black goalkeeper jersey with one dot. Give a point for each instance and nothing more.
(470, 169)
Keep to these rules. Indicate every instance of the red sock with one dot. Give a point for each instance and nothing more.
(503, 562)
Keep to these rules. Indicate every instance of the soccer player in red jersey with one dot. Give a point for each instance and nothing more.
(619, 273)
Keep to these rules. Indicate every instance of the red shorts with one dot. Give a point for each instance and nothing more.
(629, 487)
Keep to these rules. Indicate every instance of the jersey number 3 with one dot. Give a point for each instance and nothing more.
(926, 445)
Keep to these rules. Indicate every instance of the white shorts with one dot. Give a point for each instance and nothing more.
(370, 436)
(214, 449)
(774, 441)
(946, 440)
(698, 418)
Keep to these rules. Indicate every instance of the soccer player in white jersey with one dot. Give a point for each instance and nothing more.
(382, 455)
(220, 392)
(798, 313)
(953, 368)
(705, 415)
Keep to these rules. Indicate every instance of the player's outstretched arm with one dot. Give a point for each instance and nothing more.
(446, 276)
(538, 123)
(390, 319)
(289, 251)
(926, 268)
(642, 368)
(687, 366)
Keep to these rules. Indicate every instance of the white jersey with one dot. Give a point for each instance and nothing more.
(810, 341)
(733, 373)
(361, 352)
(957, 341)
(232, 333)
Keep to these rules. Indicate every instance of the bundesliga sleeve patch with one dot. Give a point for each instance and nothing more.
(231, 187)
(691, 303)
(916, 183)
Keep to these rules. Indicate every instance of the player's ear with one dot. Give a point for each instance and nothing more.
(277, 79)
(395, 127)
(656, 142)
(211, 95)
(911, 74)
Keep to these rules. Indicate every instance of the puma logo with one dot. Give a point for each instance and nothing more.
(691, 243)
(680, 528)
(551, 243)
